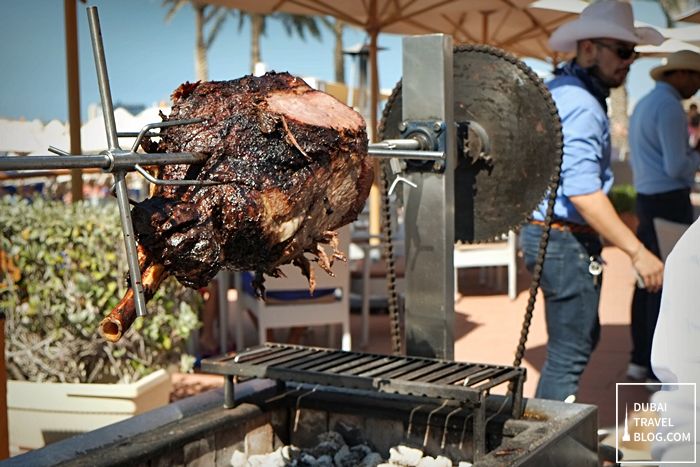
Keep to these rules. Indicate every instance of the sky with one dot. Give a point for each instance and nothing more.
(147, 59)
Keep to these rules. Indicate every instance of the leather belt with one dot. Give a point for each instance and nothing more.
(570, 226)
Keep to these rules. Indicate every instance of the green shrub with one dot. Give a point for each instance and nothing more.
(623, 198)
(73, 268)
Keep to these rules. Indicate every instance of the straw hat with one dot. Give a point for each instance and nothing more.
(609, 19)
(681, 60)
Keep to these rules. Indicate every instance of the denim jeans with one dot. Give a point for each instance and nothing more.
(571, 297)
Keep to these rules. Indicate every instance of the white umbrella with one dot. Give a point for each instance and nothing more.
(688, 34)
(22, 136)
(668, 47)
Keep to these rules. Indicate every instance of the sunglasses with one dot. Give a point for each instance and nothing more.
(624, 53)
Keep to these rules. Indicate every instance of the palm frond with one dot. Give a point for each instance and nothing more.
(218, 22)
(299, 24)
(173, 7)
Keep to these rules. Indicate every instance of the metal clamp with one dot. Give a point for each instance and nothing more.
(474, 141)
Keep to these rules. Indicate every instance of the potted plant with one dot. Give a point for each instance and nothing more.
(62, 268)
(623, 198)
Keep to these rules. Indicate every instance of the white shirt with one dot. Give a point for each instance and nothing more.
(675, 352)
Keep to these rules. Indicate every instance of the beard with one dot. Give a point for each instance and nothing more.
(610, 81)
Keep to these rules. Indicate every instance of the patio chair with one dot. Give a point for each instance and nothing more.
(667, 234)
(491, 254)
(289, 303)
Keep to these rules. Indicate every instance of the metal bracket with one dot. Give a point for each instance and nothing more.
(431, 137)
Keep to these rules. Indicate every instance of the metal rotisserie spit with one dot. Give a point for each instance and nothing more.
(464, 125)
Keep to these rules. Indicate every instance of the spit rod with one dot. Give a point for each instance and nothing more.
(119, 175)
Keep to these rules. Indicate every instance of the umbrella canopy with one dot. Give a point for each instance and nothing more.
(521, 27)
(684, 38)
(688, 34)
(692, 16)
(668, 47)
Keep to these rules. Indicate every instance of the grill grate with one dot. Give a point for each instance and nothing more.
(466, 383)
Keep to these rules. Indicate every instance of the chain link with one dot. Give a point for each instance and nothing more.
(537, 270)
(387, 231)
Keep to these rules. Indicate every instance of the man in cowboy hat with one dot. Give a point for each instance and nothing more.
(663, 169)
(603, 38)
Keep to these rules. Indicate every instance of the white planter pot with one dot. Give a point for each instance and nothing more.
(42, 413)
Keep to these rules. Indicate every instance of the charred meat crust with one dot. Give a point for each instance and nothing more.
(267, 180)
(292, 166)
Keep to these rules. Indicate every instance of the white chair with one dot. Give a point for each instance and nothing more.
(333, 308)
(667, 234)
(491, 254)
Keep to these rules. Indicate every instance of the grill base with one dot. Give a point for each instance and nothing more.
(196, 431)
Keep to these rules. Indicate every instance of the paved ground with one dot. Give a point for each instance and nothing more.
(487, 330)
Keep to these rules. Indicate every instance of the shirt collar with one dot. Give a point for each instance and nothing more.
(669, 88)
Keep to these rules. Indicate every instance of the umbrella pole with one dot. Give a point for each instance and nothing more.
(73, 94)
(374, 206)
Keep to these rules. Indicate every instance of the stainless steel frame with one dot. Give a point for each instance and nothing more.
(429, 217)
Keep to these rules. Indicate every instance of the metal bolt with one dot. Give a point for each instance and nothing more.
(402, 126)
(437, 126)
(438, 165)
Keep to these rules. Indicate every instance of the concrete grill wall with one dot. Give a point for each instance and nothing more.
(199, 432)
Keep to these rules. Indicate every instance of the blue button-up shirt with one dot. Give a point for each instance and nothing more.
(661, 158)
(586, 161)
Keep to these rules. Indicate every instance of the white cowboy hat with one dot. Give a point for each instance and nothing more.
(681, 60)
(609, 19)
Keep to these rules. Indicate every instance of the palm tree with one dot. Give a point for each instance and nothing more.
(292, 24)
(204, 15)
(336, 27)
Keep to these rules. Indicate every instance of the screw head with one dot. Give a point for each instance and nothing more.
(402, 126)
(437, 126)
(438, 165)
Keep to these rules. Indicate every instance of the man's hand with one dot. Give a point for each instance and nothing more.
(650, 269)
(600, 214)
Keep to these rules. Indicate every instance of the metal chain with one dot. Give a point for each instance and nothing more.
(537, 270)
(387, 231)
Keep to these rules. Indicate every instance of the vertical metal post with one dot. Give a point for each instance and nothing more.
(366, 264)
(229, 395)
(4, 429)
(120, 175)
(429, 218)
(223, 279)
(479, 428)
(102, 78)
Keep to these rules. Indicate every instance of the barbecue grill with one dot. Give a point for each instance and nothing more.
(467, 384)
(456, 396)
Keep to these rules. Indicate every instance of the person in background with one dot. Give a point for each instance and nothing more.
(675, 353)
(693, 123)
(663, 172)
(603, 38)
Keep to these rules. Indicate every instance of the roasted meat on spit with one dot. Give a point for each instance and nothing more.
(291, 165)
